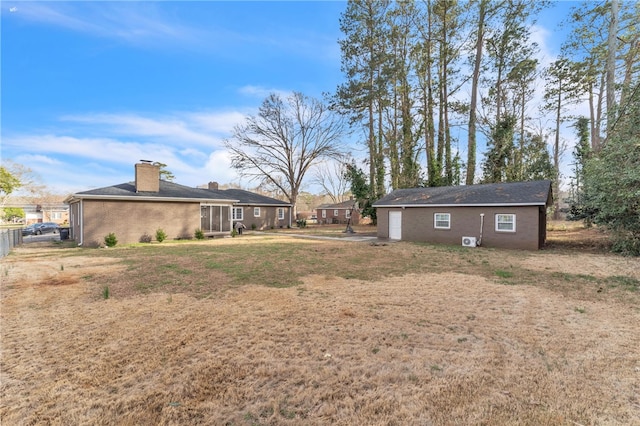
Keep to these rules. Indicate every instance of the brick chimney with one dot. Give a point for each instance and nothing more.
(147, 177)
(213, 186)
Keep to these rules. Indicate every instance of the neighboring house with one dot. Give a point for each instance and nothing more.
(45, 212)
(509, 215)
(257, 211)
(132, 210)
(339, 213)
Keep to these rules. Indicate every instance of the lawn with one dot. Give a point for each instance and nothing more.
(272, 329)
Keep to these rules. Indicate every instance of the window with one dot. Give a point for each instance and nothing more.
(506, 223)
(347, 213)
(56, 215)
(442, 220)
(336, 213)
(280, 213)
(237, 213)
(324, 214)
(256, 212)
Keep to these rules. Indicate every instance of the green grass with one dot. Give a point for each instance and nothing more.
(206, 268)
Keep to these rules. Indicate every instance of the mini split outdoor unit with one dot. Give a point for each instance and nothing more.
(468, 241)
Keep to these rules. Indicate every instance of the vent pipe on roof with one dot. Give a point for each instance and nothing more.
(213, 186)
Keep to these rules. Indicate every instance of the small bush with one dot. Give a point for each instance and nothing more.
(253, 226)
(110, 240)
(199, 234)
(160, 235)
(105, 292)
(302, 223)
(234, 232)
(145, 238)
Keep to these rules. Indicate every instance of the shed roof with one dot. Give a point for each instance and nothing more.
(503, 194)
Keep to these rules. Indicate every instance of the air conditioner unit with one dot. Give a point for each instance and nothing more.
(469, 241)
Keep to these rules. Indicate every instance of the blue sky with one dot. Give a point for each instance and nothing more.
(90, 88)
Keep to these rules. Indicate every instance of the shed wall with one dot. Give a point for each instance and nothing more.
(418, 225)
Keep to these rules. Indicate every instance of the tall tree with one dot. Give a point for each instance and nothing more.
(581, 154)
(473, 106)
(364, 63)
(560, 91)
(284, 140)
(612, 178)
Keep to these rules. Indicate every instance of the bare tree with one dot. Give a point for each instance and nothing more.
(330, 176)
(279, 145)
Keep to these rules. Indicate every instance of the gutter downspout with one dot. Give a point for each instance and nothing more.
(481, 228)
(81, 221)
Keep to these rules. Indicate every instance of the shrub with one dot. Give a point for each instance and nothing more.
(111, 240)
(145, 238)
(302, 223)
(199, 234)
(253, 226)
(105, 292)
(160, 235)
(234, 232)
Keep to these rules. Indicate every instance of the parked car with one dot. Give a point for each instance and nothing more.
(41, 228)
(29, 229)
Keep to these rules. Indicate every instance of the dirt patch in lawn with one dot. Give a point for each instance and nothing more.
(433, 347)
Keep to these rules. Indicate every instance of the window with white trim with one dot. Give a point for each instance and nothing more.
(280, 213)
(237, 213)
(256, 212)
(442, 220)
(505, 222)
(347, 213)
(324, 214)
(336, 213)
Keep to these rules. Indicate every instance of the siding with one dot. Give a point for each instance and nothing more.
(417, 225)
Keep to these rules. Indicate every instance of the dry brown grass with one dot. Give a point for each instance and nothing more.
(357, 334)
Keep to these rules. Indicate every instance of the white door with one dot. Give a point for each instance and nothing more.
(395, 225)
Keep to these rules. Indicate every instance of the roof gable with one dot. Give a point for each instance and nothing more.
(516, 193)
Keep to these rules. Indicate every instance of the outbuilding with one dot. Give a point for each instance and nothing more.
(508, 215)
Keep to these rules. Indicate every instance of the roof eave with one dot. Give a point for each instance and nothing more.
(461, 205)
(147, 198)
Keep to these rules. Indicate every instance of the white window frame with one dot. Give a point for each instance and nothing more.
(442, 219)
(500, 221)
(324, 214)
(347, 213)
(256, 212)
(280, 213)
(336, 213)
(235, 215)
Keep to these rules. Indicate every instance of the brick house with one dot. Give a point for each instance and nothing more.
(131, 210)
(509, 215)
(339, 213)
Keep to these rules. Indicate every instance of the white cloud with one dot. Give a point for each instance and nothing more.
(174, 129)
(262, 92)
(138, 23)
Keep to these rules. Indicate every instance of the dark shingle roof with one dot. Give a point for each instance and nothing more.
(167, 190)
(343, 205)
(251, 198)
(516, 193)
